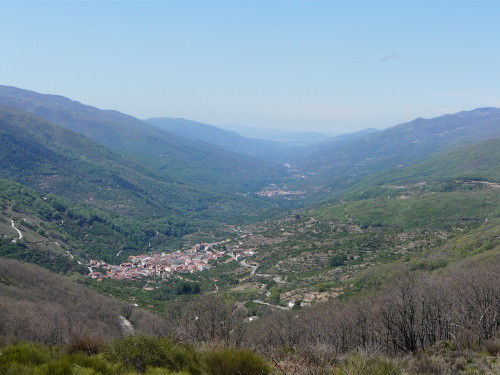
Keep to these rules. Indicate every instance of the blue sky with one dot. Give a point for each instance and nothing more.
(327, 66)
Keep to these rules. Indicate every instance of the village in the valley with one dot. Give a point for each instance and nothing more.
(164, 265)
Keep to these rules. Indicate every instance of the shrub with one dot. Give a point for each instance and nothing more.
(337, 260)
(85, 345)
(26, 354)
(18, 369)
(31, 359)
(141, 352)
(492, 347)
(234, 362)
(360, 364)
(95, 364)
(162, 371)
(424, 364)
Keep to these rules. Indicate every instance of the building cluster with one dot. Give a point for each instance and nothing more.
(273, 190)
(274, 193)
(164, 265)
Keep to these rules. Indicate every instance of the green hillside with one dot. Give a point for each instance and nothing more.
(340, 165)
(479, 161)
(55, 160)
(430, 209)
(180, 158)
(466, 167)
(55, 230)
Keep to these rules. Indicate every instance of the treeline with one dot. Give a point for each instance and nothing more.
(413, 312)
(42, 307)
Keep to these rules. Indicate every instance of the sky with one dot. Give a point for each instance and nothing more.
(325, 66)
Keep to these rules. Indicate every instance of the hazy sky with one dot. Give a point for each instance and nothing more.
(328, 66)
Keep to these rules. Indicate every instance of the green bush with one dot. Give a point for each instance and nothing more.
(162, 371)
(26, 354)
(359, 364)
(234, 362)
(337, 260)
(32, 359)
(148, 355)
(18, 369)
(85, 345)
(141, 352)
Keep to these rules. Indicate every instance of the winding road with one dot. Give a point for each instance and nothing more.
(245, 264)
(20, 237)
(18, 231)
(270, 305)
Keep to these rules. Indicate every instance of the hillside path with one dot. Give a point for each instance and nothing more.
(18, 231)
(270, 305)
(245, 264)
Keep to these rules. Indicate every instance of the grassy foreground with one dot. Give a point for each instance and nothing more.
(157, 356)
(130, 355)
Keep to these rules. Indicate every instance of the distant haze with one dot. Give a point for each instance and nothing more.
(330, 67)
(277, 134)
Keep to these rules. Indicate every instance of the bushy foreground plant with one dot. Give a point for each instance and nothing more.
(234, 362)
(141, 352)
(127, 356)
(33, 359)
(492, 347)
(26, 354)
(365, 364)
(163, 371)
(86, 345)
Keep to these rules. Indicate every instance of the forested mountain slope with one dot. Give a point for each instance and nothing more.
(340, 165)
(478, 161)
(56, 160)
(459, 168)
(180, 158)
(423, 221)
(39, 306)
(57, 233)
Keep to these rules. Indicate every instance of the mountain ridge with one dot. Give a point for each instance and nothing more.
(53, 159)
(196, 161)
(225, 139)
(340, 165)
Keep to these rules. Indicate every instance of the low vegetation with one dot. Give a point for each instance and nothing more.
(127, 356)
